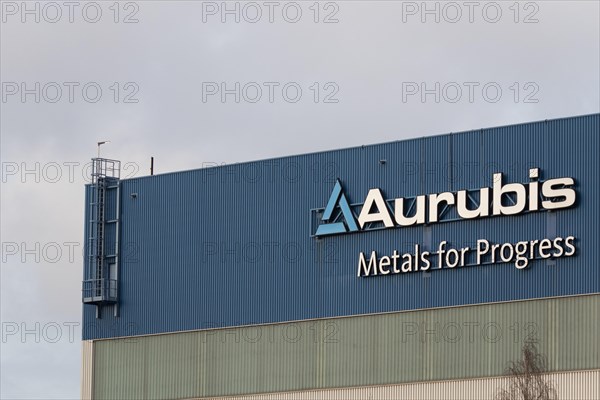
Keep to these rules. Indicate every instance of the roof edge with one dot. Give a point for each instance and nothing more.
(364, 146)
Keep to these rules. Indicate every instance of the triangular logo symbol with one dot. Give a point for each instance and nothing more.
(332, 225)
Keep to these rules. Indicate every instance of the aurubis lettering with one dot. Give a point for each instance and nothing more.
(551, 194)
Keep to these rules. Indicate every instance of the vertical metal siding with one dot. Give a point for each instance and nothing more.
(574, 385)
(87, 369)
(180, 380)
(430, 345)
(124, 373)
(229, 246)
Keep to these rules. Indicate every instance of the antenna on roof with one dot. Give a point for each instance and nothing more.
(100, 144)
(151, 165)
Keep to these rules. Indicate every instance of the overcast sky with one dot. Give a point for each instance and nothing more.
(159, 78)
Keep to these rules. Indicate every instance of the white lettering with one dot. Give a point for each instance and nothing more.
(374, 197)
(365, 270)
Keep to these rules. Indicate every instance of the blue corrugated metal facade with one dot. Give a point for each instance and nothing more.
(232, 245)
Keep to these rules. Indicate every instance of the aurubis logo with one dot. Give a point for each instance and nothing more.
(500, 199)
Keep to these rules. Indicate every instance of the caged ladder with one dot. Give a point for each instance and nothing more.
(100, 284)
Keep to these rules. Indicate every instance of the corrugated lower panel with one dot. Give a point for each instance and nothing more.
(574, 385)
(87, 369)
(431, 345)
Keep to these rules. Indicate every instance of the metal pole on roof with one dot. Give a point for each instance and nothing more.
(100, 144)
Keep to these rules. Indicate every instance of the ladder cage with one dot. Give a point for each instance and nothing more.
(98, 286)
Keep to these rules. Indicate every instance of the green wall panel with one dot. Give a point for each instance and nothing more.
(439, 344)
(119, 369)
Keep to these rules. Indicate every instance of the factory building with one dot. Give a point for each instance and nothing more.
(415, 269)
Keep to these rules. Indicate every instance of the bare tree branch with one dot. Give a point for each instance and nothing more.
(527, 379)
